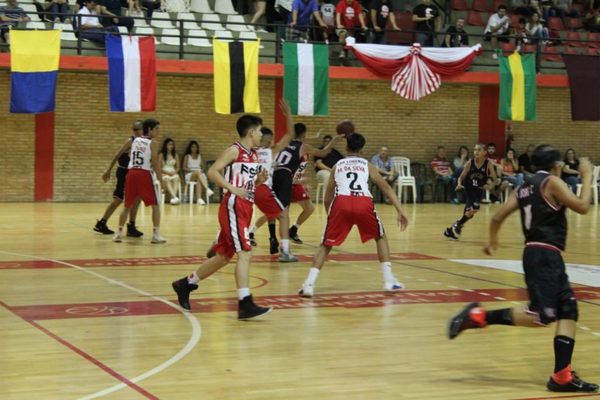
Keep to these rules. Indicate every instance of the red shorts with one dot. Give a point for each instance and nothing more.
(299, 193)
(139, 183)
(347, 211)
(267, 202)
(235, 215)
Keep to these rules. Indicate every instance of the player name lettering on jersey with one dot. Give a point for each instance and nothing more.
(141, 154)
(352, 177)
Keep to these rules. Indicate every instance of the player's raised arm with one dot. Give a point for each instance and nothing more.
(312, 150)
(289, 134)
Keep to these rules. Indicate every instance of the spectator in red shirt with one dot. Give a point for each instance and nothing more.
(348, 17)
(443, 173)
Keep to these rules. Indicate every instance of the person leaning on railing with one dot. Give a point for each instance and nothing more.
(90, 27)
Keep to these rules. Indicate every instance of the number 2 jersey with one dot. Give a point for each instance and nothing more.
(243, 171)
(542, 221)
(352, 177)
(141, 154)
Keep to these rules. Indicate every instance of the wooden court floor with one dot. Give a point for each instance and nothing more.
(82, 317)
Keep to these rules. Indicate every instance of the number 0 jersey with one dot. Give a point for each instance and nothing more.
(352, 177)
(243, 171)
(289, 158)
(542, 221)
(141, 154)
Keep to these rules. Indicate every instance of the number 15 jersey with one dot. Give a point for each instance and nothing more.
(352, 177)
(141, 154)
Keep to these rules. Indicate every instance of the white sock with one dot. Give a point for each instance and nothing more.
(285, 245)
(313, 274)
(386, 268)
(120, 230)
(193, 278)
(156, 230)
(243, 292)
(253, 229)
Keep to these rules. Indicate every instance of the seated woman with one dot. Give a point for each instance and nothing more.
(510, 169)
(570, 172)
(192, 169)
(169, 161)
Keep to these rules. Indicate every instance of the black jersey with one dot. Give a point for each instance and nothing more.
(477, 175)
(123, 161)
(288, 159)
(542, 221)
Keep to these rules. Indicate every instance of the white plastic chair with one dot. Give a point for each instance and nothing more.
(122, 29)
(236, 23)
(66, 32)
(224, 36)
(37, 25)
(31, 10)
(595, 177)
(249, 35)
(147, 31)
(190, 190)
(201, 6)
(140, 23)
(161, 24)
(320, 193)
(168, 37)
(405, 179)
(189, 20)
(224, 7)
(201, 41)
(211, 22)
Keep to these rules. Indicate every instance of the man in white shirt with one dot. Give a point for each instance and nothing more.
(497, 29)
(89, 24)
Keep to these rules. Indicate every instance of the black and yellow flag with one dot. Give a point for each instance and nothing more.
(236, 77)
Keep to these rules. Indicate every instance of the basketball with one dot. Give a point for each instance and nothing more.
(345, 127)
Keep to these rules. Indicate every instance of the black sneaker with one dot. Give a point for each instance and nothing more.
(294, 235)
(102, 228)
(274, 246)
(247, 309)
(132, 231)
(183, 289)
(449, 233)
(252, 241)
(457, 229)
(461, 321)
(576, 385)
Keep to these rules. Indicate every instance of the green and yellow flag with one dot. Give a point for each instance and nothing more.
(517, 87)
(236, 77)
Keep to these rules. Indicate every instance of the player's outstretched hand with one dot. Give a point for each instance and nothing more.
(239, 192)
(402, 221)
(585, 167)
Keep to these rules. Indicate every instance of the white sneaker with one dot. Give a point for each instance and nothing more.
(287, 257)
(393, 286)
(307, 290)
(118, 238)
(201, 202)
(174, 201)
(158, 239)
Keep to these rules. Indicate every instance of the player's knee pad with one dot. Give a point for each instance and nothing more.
(568, 309)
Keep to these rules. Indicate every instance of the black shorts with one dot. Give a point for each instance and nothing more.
(119, 192)
(547, 282)
(282, 186)
(473, 196)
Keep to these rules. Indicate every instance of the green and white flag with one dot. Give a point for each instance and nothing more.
(306, 78)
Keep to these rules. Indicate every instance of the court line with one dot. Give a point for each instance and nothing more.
(192, 342)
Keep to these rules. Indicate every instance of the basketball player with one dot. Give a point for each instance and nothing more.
(122, 161)
(542, 201)
(144, 170)
(235, 214)
(287, 163)
(300, 195)
(350, 203)
(475, 176)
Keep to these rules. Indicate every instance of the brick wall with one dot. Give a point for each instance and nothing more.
(87, 135)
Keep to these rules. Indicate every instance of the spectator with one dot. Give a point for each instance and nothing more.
(382, 11)
(150, 6)
(535, 31)
(443, 173)
(323, 165)
(561, 9)
(169, 161)
(525, 161)
(494, 186)
(112, 9)
(299, 22)
(328, 14)
(260, 7)
(497, 29)
(510, 169)
(386, 169)
(90, 27)
(427, 17)
(10, 16)
(51, 9)
(192, 168)
(284, 9)
(491, 154)
(348, 16)
(520, 33)
(570, 172)
(456, 36)
(592, 20)
(458, 164)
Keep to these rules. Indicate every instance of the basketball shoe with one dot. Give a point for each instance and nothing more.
(307, 290)
(273, 246)
(247, 309)
(132, 230)
(102, 228)
(294, 235)
(472, 316)
(393, 286)
(183, 290)
(575, 385)
(252, 240)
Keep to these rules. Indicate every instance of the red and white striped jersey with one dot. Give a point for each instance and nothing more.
(141, 154)
(352, 177)
(265, 159)
(243, 171)
(301, 168)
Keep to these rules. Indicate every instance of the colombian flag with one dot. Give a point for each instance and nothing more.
(517, 87)
(34, 62)
(236, 77)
